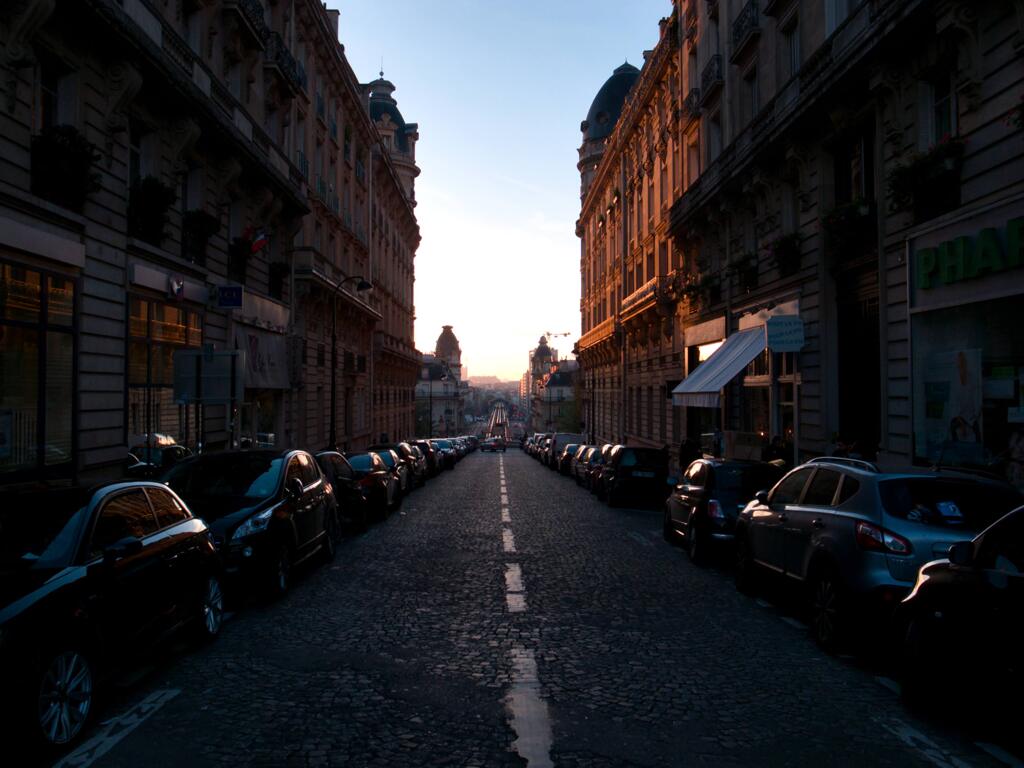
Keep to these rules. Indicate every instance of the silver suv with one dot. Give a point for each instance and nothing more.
(855, 536)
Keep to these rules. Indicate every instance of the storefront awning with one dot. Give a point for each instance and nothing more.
(701, 388)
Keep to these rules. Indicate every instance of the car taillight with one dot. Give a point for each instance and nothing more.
(873, 538)
(715, 509)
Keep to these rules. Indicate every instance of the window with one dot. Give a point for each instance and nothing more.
(650, 265)
(663, 184)
(155, 332)
(1002, 546)
(168, 511)
(696, 475)
(714, 136)
(751, 95)
(127, 515)
(943, 109)
(37, 343)
(650, 197)
(692, 160)
(663, 258)
(789, 489)
(848, 489)
(823, 488)
(789, 55)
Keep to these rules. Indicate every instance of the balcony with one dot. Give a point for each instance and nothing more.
(746, 30)
(278, 60)
(691, 104)
(599, 332)
(711, 79)
(251, 21)
(321, 108)
(321, 188)
(639, 299)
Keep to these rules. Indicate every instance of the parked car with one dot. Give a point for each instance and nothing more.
(634, 475)
(545, 451)
(152, 455)
(577, 459)
(968, 606)
(565, 457)
(446, 452)
(597, 465)
(430, 454)
(420, 469)
(378, 481)
(855, 536)
(558, 442)
(400, 469)
(416, 465)
(89, 580)
(352, 499)
(268, 511)
(492, 444)
(704, 506)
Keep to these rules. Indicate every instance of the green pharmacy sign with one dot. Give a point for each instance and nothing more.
(965, 258)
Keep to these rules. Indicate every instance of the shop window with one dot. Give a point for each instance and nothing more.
(37, 354)
(157, 331)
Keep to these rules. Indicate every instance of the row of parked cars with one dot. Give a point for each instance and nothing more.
(90, 578)
(926, 562)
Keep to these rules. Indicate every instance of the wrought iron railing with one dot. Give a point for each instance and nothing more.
(691, 104)
(746, 26)
(278, 55)
(711, 78)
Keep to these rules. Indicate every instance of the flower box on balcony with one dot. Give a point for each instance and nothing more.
(149, 200)
(929, 183)
(62, 166)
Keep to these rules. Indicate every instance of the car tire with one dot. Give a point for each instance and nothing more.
(668, 533)
(696, 544)
(279, 575)
(210, 613)
(745, 569)
(60, 697)
(827, 609)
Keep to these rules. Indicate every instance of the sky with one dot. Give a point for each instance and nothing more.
(499, 90)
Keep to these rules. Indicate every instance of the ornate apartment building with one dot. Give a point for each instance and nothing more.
(855, 168)
(188, 208)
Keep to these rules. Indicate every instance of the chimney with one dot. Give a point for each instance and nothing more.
(333, 15)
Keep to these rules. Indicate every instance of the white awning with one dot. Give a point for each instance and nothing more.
(701, 388)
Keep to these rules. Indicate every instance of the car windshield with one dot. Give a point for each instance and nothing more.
(388, 458)
(41, 527)
(571, 448)
(442, 444)
(247, 476)
(947, 501)
(361, 462)
(148, 455)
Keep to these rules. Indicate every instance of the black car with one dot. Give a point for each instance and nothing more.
(703, 507)
(964, 618)
(634, 475)
(268, 510)
(430, 454)
(565, 458)
(381, 483)
(89, 579)
(416, 474)
(591, 460)
(447, 456)
(351, 497)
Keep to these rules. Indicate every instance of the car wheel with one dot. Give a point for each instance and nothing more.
(828, 613)
(280, 576)
(63, 696)
(210, 616)
(695, 544)
(667, 531)
(745, 567)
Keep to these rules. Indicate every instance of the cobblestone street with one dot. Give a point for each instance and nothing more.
(504, 615)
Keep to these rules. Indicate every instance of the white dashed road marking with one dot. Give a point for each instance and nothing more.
(513, 578)
(508, 540)
(922, 744)
(505, 516)
(504, 498)
(115, 730)
(529, 712)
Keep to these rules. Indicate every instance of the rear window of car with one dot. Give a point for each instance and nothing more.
(745, 480)
(361, 461)
(571, 448)
(947, 502)
(387, 457)
(642, 457)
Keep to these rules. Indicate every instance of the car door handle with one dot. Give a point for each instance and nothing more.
(817, 523)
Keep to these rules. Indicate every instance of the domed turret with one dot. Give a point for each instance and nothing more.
(604, 113)
(399, 136)
(447, 349)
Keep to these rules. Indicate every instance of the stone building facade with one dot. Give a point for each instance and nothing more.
(857, 168)
(179, 199)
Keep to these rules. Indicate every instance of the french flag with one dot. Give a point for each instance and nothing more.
(259, 240)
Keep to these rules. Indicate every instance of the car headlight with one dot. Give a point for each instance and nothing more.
(254, 524)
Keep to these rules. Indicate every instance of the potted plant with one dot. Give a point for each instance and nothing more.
(148, 203)
(197, 227)
(785, 252)
(929, 182)
(62, 166)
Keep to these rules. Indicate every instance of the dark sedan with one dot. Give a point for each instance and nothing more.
(634, 475)
(381, 483)
(88, 581)
(565, 458)
(430, 454)
(964, 619)
(268, 511)
(416, 472)
(703, 508)
(351, 497)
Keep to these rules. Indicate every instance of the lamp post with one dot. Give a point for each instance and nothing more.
(362, 285)
(430, 400)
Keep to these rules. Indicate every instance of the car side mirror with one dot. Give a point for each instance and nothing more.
(121, 549)
(294, 488)
(962, 553)
(761, 497)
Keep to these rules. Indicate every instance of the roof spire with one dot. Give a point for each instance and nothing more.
(381, 67)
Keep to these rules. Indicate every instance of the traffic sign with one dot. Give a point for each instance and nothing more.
(785, 333)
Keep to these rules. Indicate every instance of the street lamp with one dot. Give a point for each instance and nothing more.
(430, 400)
(362, 284)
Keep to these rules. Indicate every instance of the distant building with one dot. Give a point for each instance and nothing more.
(440, 392)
